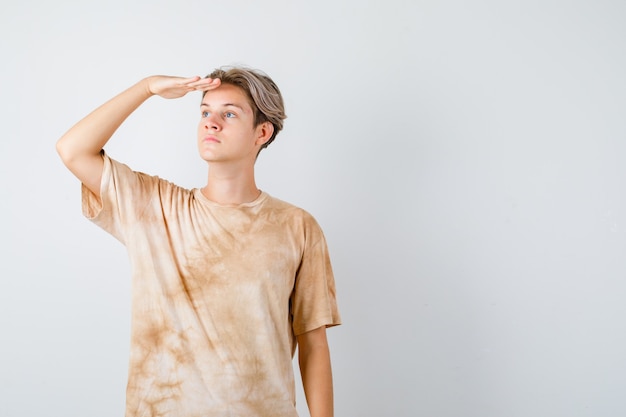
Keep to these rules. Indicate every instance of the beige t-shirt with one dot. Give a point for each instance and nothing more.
(218, 295)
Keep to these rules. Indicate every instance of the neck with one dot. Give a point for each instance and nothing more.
(230, 186)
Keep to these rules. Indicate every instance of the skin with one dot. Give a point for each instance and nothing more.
(229, 142)
(317, 378)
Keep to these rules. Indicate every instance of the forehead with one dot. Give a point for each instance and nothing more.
(225, 95)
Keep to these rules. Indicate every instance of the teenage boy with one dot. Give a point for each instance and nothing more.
(226, 279)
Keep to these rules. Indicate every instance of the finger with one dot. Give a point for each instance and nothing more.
(206, 84)
(205, 81)
(187, 82)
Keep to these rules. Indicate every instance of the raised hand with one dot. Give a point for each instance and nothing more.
(174, 87)
(80, 147)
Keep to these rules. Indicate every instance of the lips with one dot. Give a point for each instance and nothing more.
(211, 139)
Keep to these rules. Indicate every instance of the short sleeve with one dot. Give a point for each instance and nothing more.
(314, 299)
(124, 195)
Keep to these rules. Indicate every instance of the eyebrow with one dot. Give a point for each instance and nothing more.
(224, 105)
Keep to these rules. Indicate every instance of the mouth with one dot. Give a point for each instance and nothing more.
(210, 139)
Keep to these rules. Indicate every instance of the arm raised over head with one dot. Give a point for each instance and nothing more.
(80, 147)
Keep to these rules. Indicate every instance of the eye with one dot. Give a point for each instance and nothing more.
(230, 115)
(205, 114)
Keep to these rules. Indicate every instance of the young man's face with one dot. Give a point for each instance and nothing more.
(226, 131)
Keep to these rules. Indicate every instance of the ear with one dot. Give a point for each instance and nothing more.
(264, 133)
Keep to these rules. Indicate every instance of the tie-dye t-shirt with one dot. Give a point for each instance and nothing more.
(218, 295)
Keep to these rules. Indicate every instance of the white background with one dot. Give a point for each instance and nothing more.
(465, 159)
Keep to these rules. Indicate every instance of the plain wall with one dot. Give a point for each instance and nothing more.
(464, 158)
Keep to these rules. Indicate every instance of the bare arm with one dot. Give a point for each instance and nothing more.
(314, 360)
(80, 147)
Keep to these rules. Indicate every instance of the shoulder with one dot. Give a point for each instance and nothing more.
(139, 189)
(121, 172)
(288, 209)
(294, 218)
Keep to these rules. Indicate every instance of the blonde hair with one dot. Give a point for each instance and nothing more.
(263, 93)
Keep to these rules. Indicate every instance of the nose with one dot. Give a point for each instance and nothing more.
(212, 123)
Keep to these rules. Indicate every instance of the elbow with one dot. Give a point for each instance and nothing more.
(70, 152)
(62, 150)
(65, 152)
